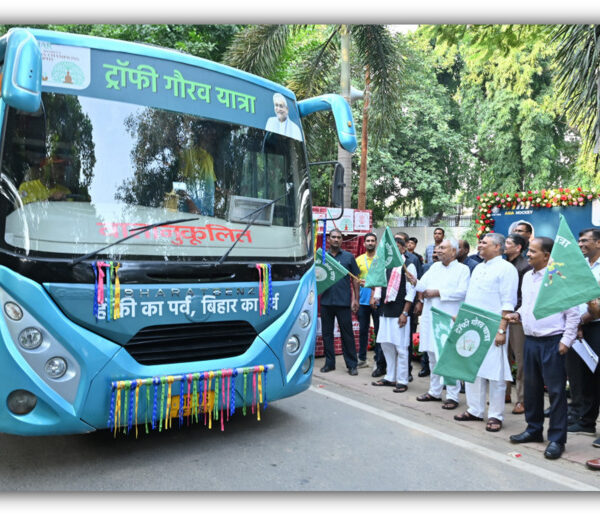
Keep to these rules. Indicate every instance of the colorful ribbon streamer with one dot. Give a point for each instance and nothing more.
(212, 392)
(111, 294)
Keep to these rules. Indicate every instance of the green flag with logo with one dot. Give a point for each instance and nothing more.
(328, 273)
(441, 323)
(568, 280)
(471, 336)
(387, 256)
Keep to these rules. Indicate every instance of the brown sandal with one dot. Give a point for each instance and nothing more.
(383, 382)
(400, 388)
(450, 404)
(467, 417)
(426, 397)
(493, 425)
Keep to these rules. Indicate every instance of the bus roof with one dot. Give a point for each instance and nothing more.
(144, 49)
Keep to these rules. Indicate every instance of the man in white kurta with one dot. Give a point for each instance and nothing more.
(444, 287)
(493, 287)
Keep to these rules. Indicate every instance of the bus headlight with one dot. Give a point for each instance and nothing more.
(30, 338)
(292, 345)
(21, 402)
(311, 297)
(13, 311)
(56, 367)
(304, 319)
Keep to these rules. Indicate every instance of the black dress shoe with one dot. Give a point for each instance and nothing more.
(425, 372)
(352, 371)
(526, 437)
(326, 369)
(554, 450)
(410, 377)
(378, 372)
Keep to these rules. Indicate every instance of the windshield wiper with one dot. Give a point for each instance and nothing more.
(141, 229)
(256, 214)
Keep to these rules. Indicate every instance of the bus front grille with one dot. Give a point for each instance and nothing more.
(165, 344)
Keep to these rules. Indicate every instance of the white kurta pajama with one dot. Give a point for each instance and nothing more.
(394, 340)
(493, 287)
(452, 282)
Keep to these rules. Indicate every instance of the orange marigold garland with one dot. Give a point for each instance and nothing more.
(544, 198)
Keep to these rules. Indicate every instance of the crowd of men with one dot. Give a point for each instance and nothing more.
(504, 277)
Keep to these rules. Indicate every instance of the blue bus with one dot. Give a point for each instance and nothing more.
(156, 257)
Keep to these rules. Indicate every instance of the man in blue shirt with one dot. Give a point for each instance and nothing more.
(438, 237)
(338, 302)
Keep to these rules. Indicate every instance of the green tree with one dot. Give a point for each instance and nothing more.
(509, 107)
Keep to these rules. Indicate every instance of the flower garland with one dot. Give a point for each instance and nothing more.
(544, 198)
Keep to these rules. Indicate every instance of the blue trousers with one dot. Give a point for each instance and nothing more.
(544, 366)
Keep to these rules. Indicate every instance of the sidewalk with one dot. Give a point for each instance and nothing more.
(578, 449)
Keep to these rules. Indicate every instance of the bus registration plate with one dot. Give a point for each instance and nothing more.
(175, 402)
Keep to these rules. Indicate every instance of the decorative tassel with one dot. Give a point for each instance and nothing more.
(189, 397)
(95, 268)
(147, 386)
(195, 405)
(260, 298)
(155, 381)
(111, 412)
(212, 392)
(168, 410)
(234, 375)
(259, 401)
(245, 383)
(270, 288)
(118, 406)
(162, 404)
(181, 403)
(100, 283)
(228, 394)
(117, 308)
(205, 400)
(137, 394)
(253, 390)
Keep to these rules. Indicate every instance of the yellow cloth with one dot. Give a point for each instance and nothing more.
(364, 263)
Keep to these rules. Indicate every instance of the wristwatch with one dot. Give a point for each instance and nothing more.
(501, 331)
(404, 313)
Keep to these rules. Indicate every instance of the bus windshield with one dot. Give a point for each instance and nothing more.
(83, 172)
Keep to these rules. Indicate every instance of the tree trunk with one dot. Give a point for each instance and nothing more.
(344, 157)
(362, 183)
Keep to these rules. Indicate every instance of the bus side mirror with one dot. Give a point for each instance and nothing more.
(342, 114)
(22, 71)
(337, 188)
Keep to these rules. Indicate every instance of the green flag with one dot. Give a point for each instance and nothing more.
(471, 336)
(329, 273)
(387, 256)
(441, 323)
(568, 280)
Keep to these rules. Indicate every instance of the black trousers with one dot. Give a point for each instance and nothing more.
(365, 312)
(544, 366)
(589, 382)
(344, 318)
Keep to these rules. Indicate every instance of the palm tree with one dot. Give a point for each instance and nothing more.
(578, 78)
(258, 49)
